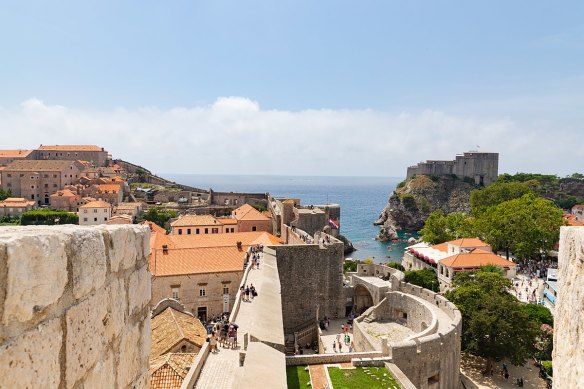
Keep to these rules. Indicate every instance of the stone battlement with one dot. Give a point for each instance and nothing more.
(74, 306)
(482, 167)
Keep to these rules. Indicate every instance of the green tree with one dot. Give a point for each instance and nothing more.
(159, 216)
(439, 228)
(368, 261)
(529, 226)
(426, 278)
(349, 266)
(494, 325)
(48, 217)
(482, 199)
(396, 265)
(538, 314)
(4, 194)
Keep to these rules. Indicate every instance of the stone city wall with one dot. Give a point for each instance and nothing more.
(74, 307)
(311, 279)
(568, 355)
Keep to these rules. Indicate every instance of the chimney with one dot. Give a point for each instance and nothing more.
(164, 249)
(239, 247)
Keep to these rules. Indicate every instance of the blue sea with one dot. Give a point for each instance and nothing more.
(361, 200)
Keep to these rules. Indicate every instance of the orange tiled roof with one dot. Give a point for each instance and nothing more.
(70, 148)
(64, 193)
(15, 202)
(578, 206)
(441, 247)
(170, 327)
(25, 165)
(475, 258)
(195, 220)
(14, 153)
(168, 371)
(119, 219)
(111, 188)
(468, 242)
(96, 204)
(158, 236)
(227, 221)
(196, 260)
(247, 212)
(224, 240)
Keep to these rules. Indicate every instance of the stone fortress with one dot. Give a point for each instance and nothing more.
(482, 167)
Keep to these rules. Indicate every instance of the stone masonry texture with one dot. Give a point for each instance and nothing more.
(568, 353)
(74, 307)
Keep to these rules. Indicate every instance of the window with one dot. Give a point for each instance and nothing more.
(225, 290)
(105, 210)
(32, 197)
(197, 231)
(188, 231)
(84, 219)
(54, 185)
(54, 176)
(227, 230)
(215, 230)
(202, 292)
(45, 176)
(254, 228)
(95, 211)
(85, 211)
(9, 184)
(180, 231)
(9, 175)
(175, 292)
(206, 230)
(105, 219)
(46, 185)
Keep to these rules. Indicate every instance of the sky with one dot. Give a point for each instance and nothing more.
(297, 87)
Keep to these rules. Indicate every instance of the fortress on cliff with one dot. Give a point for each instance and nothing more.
(482, 167)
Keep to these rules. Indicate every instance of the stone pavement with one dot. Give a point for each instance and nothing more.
(471, 368)
(524, 292)
(331, 334)
(222, 370)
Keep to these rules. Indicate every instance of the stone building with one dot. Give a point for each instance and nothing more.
(66, 200)
(481, 167)
(15, 206)
(74, 306)
(250, 219)
(449, 258)
(9, 156)
(37, 180)
(201, 271)
(175, 331)
(94, 154)
(94, 213)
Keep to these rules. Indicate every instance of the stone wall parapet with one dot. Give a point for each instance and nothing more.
(74, 306)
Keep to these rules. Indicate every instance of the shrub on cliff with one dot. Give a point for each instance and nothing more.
(409, 202)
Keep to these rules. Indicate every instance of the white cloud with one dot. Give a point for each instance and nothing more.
(234, 136)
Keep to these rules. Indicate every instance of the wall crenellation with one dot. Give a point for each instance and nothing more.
(74, 306)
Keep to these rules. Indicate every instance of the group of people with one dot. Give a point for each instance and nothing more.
(248, 291)
(345, 336)
(536, 268)
(223, 333)
(527, 289)
(255, 255)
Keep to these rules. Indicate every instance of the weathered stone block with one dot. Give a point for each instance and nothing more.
(86, 335)
(139, 291)
(37, 274)
(88, 261)
(145, 341)
(102, 375)
(32, 360)
(127, 246)
(128, 366)
(117, 308)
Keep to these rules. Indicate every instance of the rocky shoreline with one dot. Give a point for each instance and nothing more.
(413, 200)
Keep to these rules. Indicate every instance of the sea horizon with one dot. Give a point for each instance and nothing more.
(361, 199)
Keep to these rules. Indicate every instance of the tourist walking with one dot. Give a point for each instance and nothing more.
(335, 345)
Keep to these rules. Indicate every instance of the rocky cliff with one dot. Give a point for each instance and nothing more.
(414, 199)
